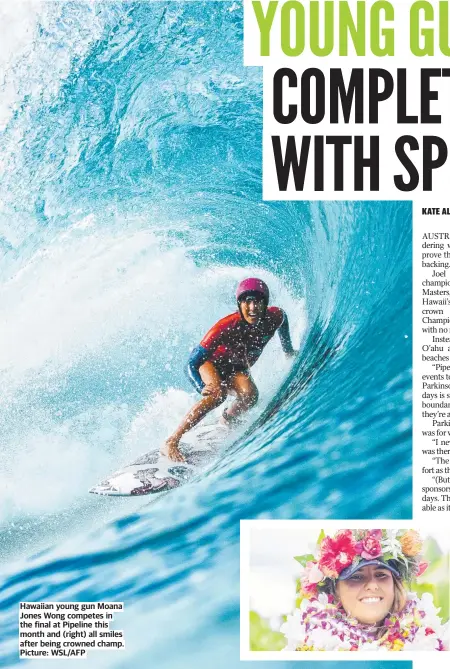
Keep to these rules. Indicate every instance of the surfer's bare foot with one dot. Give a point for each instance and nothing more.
(227, 420)
(223, 422)
(171, 450)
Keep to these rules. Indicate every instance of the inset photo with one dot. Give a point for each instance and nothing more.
(336, 586)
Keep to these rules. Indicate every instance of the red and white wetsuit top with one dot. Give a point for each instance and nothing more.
(232, 342)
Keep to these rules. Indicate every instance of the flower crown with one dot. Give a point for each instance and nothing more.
(399, 549)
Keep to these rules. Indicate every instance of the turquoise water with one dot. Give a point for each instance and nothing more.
(131, 206)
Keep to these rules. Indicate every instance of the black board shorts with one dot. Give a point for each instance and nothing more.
(226, 371)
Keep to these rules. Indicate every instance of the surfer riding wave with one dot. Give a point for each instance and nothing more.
(220, 364)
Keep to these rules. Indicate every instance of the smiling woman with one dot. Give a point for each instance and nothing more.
(354, 596)
(370, 594)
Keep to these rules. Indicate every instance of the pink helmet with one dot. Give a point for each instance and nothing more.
(252, 285)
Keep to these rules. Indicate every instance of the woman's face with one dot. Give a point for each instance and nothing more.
(368, 595)
(253, 309)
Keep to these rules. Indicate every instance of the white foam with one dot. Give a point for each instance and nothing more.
(42, 473)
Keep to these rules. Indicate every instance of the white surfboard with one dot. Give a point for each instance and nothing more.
(154, 473)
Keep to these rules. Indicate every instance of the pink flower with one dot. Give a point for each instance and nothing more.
(421, 567)
(308, 589)
(370, 546)
(313, 573)
(309, 579)
(337, 553)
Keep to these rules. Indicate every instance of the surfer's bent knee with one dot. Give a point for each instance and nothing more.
(217, 393)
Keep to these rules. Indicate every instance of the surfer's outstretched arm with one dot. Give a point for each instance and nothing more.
(285, 337)
(214, 392)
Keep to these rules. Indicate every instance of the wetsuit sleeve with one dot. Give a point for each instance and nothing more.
(285, 335)
(213, 337)
(198, 356)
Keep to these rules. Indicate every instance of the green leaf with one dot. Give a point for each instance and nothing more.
(303, 559)
(321, 537)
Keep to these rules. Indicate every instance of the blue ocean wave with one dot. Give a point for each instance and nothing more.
(131, 191)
